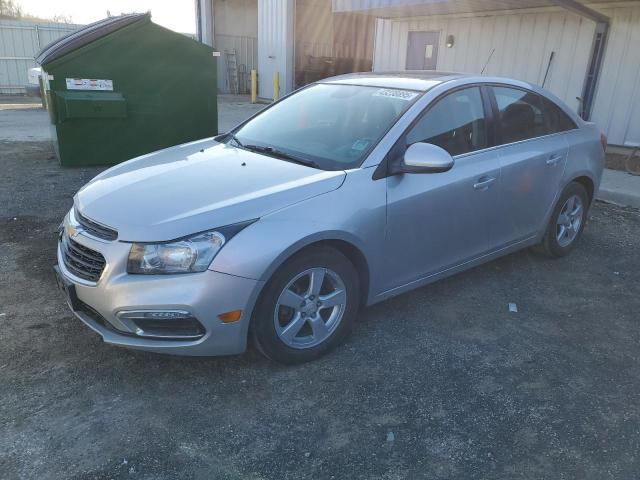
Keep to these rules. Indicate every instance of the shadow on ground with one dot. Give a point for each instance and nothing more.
(442, 382)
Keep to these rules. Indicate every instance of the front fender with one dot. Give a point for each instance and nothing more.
(355, 213)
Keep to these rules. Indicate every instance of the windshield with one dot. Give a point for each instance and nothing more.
(332, 127)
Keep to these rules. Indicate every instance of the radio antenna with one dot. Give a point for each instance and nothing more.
(546, 74)
(488, 60)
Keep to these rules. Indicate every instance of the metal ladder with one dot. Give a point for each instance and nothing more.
(232, 70)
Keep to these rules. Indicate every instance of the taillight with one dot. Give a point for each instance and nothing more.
(603, 141)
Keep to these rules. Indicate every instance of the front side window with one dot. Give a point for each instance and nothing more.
(523, 115)
(334, 126)
(455, 123)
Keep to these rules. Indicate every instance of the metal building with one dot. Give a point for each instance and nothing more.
(586, 52)
(300, 40)
(20, 41)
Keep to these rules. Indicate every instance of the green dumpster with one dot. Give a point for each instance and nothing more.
(123, 87)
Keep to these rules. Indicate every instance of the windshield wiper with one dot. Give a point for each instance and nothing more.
(274, 152)
(232, 136)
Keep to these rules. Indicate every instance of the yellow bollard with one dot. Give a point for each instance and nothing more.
(276, 87)
(254, 86)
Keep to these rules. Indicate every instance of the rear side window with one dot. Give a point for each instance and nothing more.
(455, 123)
(523, 115)
(555, 120)
(519, 114)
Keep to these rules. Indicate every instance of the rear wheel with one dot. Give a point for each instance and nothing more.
(567, 221)
(307, 307)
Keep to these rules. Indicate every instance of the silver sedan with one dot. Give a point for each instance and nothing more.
(347, 192)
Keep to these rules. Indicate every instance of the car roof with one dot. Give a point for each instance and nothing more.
(421, 80)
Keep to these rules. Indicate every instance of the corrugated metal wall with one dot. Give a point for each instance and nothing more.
(328, 44)
(235, 26)
(246, 49)
(523, 44)
(19, 43)
(617, 103)
(275, 45)
(313, 30)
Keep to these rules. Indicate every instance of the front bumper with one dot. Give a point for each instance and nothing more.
(204, 295)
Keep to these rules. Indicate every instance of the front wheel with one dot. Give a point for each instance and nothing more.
(307, 307)
(567, 221)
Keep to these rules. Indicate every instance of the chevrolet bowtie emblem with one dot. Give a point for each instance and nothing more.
(72, 232)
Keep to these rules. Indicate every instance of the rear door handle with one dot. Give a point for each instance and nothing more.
(483, 183)
(554, 159)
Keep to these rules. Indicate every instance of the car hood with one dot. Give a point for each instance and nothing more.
(194, 187)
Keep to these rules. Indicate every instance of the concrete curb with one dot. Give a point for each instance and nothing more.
(620, 188)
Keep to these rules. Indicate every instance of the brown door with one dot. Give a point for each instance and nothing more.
(422, 51)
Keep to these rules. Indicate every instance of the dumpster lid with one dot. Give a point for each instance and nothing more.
(86, 35)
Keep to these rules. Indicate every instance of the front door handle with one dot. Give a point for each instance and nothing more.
(483, 183)
(554, 159)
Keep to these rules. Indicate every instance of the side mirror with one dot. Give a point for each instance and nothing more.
(425, 158)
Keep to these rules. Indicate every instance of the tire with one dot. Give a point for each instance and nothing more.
(553, 246)
(286, 304)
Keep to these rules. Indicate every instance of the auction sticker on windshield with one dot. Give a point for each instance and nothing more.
(407, 95)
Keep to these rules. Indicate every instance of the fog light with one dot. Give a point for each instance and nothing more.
(162, 324)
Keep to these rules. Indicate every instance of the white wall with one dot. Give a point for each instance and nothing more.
(523, 43)
(236, 28)
(275, 45)
(236, 17)
(204, 23)
(314, 30)
(20, 41)
(617, 103)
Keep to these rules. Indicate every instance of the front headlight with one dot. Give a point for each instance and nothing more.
(187, 255)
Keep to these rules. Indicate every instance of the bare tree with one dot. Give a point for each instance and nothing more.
(10, 9)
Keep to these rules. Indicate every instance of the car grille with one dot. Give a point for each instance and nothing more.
(95, 229)
(81, 261)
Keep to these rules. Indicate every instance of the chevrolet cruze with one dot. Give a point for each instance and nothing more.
(341, 195)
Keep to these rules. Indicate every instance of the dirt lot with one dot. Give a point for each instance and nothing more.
(442, 382)
(22, 119)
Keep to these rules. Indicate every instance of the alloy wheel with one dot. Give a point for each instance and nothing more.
(569, 221)
(310, 308)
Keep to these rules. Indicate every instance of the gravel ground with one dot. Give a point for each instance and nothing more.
(442, 382)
